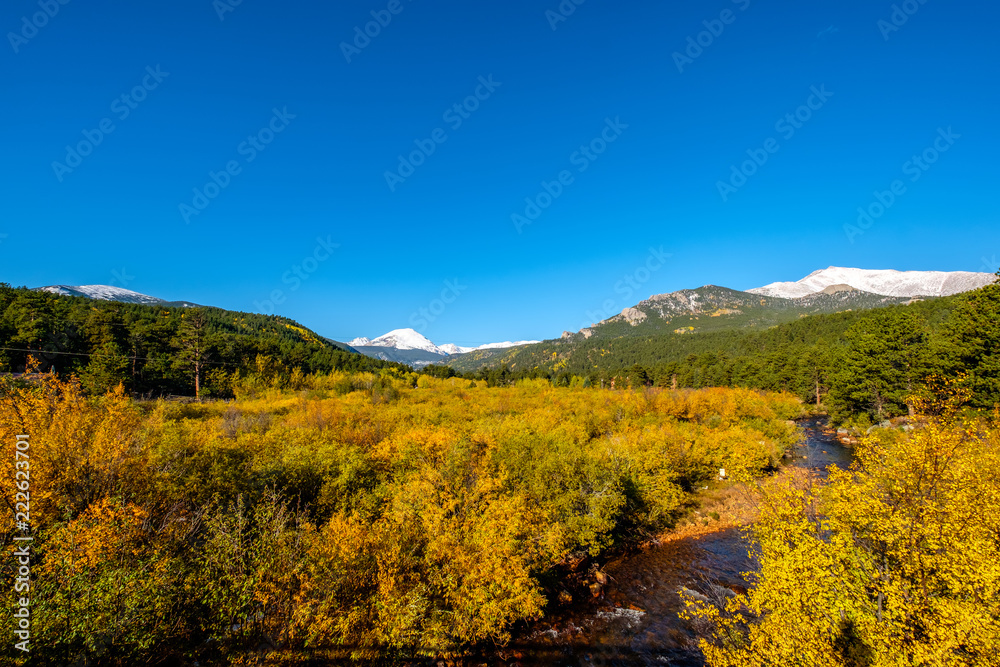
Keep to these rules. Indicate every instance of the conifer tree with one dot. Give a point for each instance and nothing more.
(194, 342)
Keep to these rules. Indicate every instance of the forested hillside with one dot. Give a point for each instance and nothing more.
(856, 362)
(156, 349)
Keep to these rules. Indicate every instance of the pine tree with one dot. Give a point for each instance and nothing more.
(971, 343)
(194, 342)
(883, 364)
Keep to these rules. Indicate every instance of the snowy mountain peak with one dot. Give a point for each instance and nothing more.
(887, 282)
(404, 339)
(102, 293)
(110, 293)
(400, 339)
(451, 348)
(408, 339)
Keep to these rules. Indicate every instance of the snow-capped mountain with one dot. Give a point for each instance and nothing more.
(503, 346)
(411, 347)
(401, 339)
(102, 293)
(408, 339)
(451, 348)
(110, 293)
(884, 282)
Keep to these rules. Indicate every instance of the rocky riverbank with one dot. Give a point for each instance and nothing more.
(850, 436)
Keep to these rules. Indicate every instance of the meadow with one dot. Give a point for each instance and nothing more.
(383, 515)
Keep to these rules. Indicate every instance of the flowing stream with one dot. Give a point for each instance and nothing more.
(635, 620)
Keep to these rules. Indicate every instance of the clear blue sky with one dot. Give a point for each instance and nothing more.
(116, 218)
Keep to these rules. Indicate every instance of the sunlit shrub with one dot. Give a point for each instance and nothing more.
(377, 511)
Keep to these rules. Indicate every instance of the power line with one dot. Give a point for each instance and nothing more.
(42, 353)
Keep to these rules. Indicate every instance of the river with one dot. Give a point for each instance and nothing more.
(635, 620)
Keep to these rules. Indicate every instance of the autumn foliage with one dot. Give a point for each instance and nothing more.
(368, 514)
(894, 562)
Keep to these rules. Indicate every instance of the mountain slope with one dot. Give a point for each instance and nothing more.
(666, 317)
(147, 347)
(712, 309)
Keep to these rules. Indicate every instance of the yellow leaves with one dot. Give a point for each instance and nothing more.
(307, 335)
(423, 441)
(338, 583)
(478, 548)
(728, 405)
(895, 562)
(440, 506)
(81, 449)
(446, 565)
(105, 531)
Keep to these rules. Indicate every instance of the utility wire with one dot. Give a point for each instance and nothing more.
(41, 353)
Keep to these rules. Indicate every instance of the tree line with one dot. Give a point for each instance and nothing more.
(853, 363)
(158, 350)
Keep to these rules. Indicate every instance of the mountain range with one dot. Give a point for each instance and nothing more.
(712, 309)
(703, 310)
(886, 283)
(411, 347)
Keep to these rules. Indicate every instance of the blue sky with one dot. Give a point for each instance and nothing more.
(220, 84)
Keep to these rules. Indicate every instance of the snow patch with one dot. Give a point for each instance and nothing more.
(451, 348)
(102, 293)
(885, 282)
(505, 345)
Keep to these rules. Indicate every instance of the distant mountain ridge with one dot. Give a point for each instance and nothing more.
(712, 309)
(411, 347)
(142, 342)
(110, 293)
(703, 310)
(885, 282)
